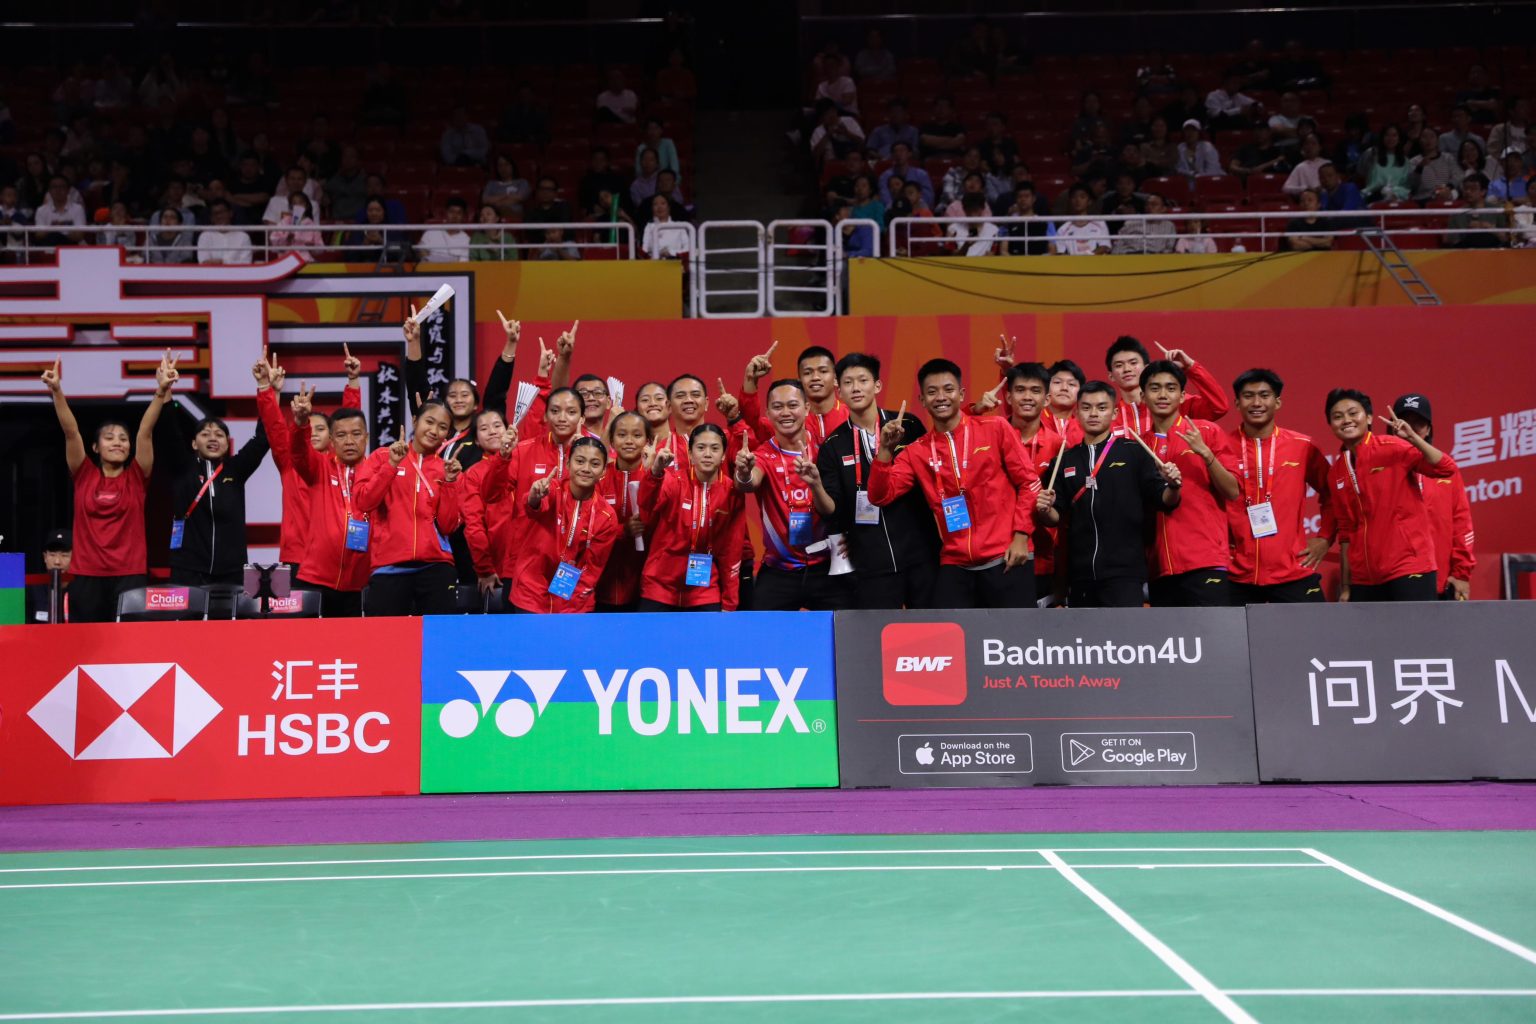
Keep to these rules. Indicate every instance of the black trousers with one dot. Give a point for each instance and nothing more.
(631, 606)
(1417, 587)
(1307, 590)
(746, 587)
(781, 590)
(647, 605)
(1121, 592)
(993, 587)
(94, 598)
(1199, 588)
(194, 578)
(336, 604)
(426, 591)
(911, 587)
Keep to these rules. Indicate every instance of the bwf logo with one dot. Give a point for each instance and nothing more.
(923, 663)
(124, 712)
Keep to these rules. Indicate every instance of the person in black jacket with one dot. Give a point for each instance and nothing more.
(208, 501)
(1106, 489)
(894, 549)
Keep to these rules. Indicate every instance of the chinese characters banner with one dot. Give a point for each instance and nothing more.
(210, 710)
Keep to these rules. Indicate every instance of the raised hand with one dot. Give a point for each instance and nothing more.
(727, 403)
(165, 374)
(1176, 355)
(1197, 443)
(761, 366)
(661, 458)
(746, 462)
(989, 400)
(565, 345)
(451, 470)
(807, 470)
(398, 451)
(54, 378)
(350, 363)
(546, 359)
(1399, 427)
(303, 405)
(893, 432)
(411, 328)
(276, 375)
(1003, 354)
(509, 441)
(540, 490)
(263, 374)
(514, 328)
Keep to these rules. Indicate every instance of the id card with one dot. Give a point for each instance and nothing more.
(1261, 520)
(799, 529)
(357, 534)
(865, 513)
(700, 567)
(178, 532)
(957, 516)
(564, 583)
(442, 541)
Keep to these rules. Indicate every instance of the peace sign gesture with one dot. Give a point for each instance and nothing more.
(1003, 355)
(661, 458)
(303, 405)
(165, 374)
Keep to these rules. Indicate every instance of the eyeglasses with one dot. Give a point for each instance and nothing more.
(592, 392)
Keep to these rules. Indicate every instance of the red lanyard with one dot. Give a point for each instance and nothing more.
(700, 516)
(960, 467)
(346, 486)
(204, 489)
(421, 479)
(624, 494)
(871, 449)
(783, 467)
(446, 449)
(1262, 490)
(1094, 474)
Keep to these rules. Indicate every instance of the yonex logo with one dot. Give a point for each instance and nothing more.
(514, 717)
(124, 712)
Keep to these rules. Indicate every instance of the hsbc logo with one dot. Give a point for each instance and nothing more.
(923, 663)
(125, 712)
(166, 599)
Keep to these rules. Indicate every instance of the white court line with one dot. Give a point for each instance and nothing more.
(831, 997)
(574, 872)
(1508, 945)
(644, 856)
(1183, 968)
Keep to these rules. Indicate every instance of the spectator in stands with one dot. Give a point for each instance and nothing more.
(666, 150)
(665, 237)
(858, 239)
(1461, 131)
(897, 128)
(450, 243)
(508, 190)
(1194, 239)
(1189, 105)
(295, 180)
(488, 243)
(676, 81)
(464, 143)
(1513, 183)
(1475, 227)
(1090, 115)
(1260, 156)
(176, 197)
(321, 149)
(248, 192)
(1413, 130)
(975, 183)
(261, 149)
(976, 54)
(866, 204)
(953, 184)
(1079, 237)
(836, 86)
(926, 234)
(394, 209)
(547, 206)
(11, 216)
(60, 210)
(162, 84)
(171, 242)
(525, 121)
(1253, 69)
(1123, 196)
(205, 159)
(1510, 133)
(1297, 70)
(1196, 155)
(1152, 233)
(382, 244)
(1304, 175)
(1336, 191)
(121, 231)
(225, 244)
(225, 143)
(608, 207)
(836, 134)
(999, 149)
(898, 205)
(644, 184)
(32, 186)
(1160, 153)
(1302, 234)
(1095, 155)
(1229, 107)
(666, 185)
(300, 174)
(902, 167)
(556, 246)
(943, 135)
(347, 189)
(874, 63)
(840, 186)
(1480, 97)
(1285, 124)
(114, 89)
(617, 104)
(297, 228)
(1139, 128)
(1470, 159)
(1032, 237)
(600, 177)
(1351, 149)
(1434, 172)
(974, 239)
(1385, 168)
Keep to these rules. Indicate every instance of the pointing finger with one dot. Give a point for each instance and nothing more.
(903, 413)
(346, 352)
(772, 348)
(996, 388)
(721, 381)
(1163, 348)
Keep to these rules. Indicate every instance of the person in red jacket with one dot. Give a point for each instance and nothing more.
(1273, 559)
(619, 588)
(1378, 505)
(980, 488)
(1127, 358)
(1067, 379)
(571, 531)
(336, 561)
(412, 499)
(695, 514)
(296, 492)
(1450, 514)
(1190, 548)
(486, 522)
(652, 405)
(816, 369)
(1029, 386)
(688, 404)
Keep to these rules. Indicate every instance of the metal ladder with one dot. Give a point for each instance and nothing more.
(375, 305)
(1398, 268)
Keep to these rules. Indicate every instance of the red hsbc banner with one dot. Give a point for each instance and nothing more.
(126, 712)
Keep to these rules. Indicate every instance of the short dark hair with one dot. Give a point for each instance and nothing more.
(1167, 366)
(549, 401)
(707, 428)
(682, 377)
(1338, 395)
(1476, 176)
(217, 203)
(210, 421)
(1126, 343)
(1068, 366)
(785, 382)
(934, 367)
(590, 376)
(858, 361)
(816, 352)
(588, 441)
(1258, 375)
(1097, 387)
(106, 425)
(973, 201)
(346, 412)
(1029, 371)
(614, 423)
(454, 202)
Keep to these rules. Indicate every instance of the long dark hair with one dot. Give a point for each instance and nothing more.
(1381, 150)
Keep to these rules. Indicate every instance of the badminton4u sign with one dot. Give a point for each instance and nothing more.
(208, 710)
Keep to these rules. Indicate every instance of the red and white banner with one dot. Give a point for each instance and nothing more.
(131, 712)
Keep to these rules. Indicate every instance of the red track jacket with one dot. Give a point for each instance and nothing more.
(1380, 510)
(332, 492)
(296, 497)
(1194, 535)
(620, 582)
(562, 529)
(670, 505)
(1450, 524)
(1289, 463)
(411, 509)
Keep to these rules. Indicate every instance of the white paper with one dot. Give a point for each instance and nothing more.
(526, 393)
(634, 503)
(443, 295)
(616, 392)
(837, 549)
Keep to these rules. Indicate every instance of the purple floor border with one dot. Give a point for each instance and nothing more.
(1381, 807)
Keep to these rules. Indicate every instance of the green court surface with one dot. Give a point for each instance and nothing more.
(1362, 927)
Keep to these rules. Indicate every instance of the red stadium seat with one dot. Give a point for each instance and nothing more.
(1265, 185)
(1173, 187)
(1218, 188)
